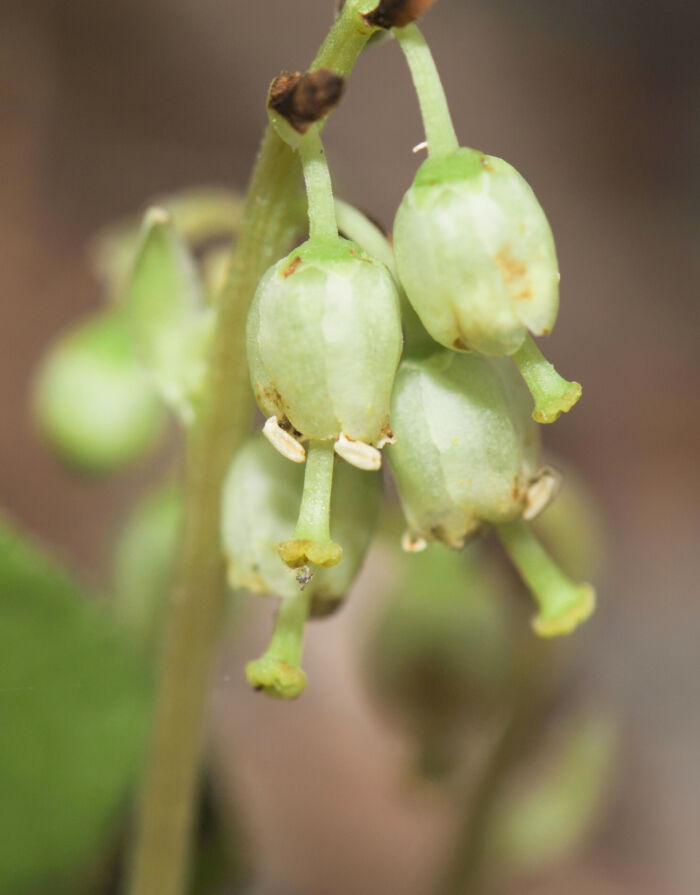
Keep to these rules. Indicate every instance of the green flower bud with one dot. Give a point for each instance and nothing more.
(324, 341)
(466, 450)
(474, 251)
(168, 320)
(144, 558)
(93, 401)
(259, 507)
(466, 454)
(475, 254)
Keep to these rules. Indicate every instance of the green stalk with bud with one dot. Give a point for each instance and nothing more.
(474, 250)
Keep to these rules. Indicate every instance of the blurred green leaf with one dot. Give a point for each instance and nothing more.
(92, 400)
(74, 703)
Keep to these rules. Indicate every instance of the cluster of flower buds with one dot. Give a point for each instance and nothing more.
(474, 262)
(472, 274)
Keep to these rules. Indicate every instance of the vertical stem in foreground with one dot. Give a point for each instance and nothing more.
(163, 831)
(161, 855)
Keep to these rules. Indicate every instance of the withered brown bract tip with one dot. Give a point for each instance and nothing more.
(303, 99)
(397, 13)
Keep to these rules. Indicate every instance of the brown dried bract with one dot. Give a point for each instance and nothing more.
(305, 99)
(397, 13)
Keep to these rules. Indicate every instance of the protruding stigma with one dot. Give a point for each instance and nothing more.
(563, 604)
(552, 394)
(312, 537)
(277, 672)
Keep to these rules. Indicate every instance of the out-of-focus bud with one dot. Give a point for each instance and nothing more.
(259, 508)
(168, 320)
(144, 557)
(93, 402)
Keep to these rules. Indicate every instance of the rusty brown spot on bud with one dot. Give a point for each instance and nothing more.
(291, 267)
(397, 13)
(305, 99)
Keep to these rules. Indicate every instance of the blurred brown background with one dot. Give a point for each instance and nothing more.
(105, 104)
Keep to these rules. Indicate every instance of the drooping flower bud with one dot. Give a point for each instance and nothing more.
(323, 341)
(93, 401)
(475, 254)
(259, 508)
(474, 250)
(466, 455)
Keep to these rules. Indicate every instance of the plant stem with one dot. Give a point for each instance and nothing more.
(161, 855)
(319, 192)
(437, 121)
(563, 604)
(552, 394)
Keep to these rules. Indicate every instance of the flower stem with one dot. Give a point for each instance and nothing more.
(161, 853)
(563, 604)
(552, 394)
(437, 121)
(319, 192)
(277, 671)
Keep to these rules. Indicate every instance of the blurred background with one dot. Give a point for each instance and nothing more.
(103, 105)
